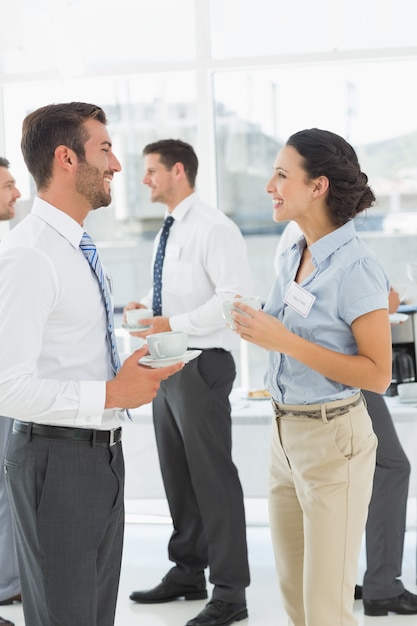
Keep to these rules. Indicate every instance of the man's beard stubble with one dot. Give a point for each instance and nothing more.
(90, 183)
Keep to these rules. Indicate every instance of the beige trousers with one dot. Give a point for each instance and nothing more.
(321, 476)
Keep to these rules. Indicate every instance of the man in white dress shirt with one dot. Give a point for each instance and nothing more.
(64, 463)
(9, 573)
(205, 262)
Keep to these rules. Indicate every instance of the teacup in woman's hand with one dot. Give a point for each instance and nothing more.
(228, 306)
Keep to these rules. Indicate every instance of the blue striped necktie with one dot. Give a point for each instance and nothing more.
(90, 252)
(157, 268)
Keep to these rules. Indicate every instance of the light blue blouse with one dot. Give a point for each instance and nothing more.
(347, 282)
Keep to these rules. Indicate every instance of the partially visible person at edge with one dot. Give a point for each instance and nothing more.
(9, 572)
(205, 262)
(64, 463)
(326, 327)
(382, 590)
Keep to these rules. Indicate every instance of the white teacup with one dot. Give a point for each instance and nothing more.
(412, 271)
(135, 316)
(227, 307)
(167, 345)
(407, 391)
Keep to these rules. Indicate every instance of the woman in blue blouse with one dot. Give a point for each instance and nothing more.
(326, 327)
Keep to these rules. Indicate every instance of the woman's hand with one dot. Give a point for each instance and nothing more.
(260, 328)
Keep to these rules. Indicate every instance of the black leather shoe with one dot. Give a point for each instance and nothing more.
(358, 592)
(220, 613)
(405, 604)
(168, 591)
(5, 622)
(16, 598)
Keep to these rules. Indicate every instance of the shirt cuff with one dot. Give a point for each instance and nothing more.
(92, 401)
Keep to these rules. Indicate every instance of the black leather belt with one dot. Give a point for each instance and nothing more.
(83, 435)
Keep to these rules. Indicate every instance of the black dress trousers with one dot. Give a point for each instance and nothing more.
(193, 432)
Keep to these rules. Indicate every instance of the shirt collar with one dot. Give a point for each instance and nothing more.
(183, 207)
(327, 245)
(58, 220)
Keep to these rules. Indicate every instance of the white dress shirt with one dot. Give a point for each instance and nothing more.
(55, 360)
(205, 263)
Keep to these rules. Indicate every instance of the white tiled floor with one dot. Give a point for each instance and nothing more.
(145, 562)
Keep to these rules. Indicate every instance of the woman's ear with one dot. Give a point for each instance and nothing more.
(320, 185)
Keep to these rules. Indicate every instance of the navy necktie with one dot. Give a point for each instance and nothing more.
(90, 252)
(157, 268)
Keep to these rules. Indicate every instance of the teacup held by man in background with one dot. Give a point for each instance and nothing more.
(135, 316)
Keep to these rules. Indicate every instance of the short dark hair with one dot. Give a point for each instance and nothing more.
(327, 154)
(173, 151)
(4, 162)
(51, 126)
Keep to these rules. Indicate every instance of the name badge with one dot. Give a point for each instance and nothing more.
(299, 299)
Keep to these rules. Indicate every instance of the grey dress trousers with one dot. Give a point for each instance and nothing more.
(385, 527)
(78, 489)
(9, 572)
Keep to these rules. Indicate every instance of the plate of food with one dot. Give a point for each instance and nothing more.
(258, 394)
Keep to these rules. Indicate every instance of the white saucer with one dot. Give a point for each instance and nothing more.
(134, 328)
(397, 318)
(407, 400)
(184, 358)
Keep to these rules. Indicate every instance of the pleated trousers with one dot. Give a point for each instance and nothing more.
(321, 477)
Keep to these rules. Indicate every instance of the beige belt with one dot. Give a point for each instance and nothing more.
(326, 411)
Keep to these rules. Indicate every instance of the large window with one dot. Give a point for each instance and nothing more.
(69, 38)
(259, 28)
(140, 109)
(256, 110)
